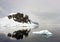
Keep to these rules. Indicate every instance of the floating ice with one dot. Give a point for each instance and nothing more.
(44, 33)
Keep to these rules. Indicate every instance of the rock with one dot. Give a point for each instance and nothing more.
(19, 17)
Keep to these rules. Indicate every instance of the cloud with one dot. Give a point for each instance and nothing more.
(3, 12)
(1, 9)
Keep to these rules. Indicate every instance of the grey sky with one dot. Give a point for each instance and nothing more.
(30, 5)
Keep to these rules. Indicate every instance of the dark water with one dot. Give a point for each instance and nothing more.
(35, 38)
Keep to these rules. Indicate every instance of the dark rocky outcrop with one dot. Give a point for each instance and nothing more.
(19, 17)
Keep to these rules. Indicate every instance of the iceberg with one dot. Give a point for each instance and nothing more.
(43, 33)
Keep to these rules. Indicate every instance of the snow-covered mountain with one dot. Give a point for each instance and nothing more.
(9, 23)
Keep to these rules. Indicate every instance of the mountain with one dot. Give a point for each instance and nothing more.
(15, 21)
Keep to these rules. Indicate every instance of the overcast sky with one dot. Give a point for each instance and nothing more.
(29, 6)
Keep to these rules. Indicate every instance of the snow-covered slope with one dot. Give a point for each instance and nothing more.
(9, 25)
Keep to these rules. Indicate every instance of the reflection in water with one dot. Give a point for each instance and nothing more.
(19, 34)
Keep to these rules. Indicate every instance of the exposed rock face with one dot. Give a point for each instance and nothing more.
(19, 34)
(19, 17)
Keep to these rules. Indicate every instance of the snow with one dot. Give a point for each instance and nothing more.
(9, 25)
(12, 13)
(44, 33)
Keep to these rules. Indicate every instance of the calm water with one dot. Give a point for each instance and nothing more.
(36, 38)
